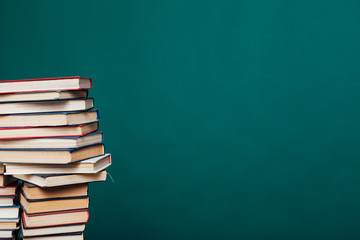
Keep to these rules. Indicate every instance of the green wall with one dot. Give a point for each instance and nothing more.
(226, 119)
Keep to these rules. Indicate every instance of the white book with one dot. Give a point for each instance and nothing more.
(46, 106)
(7, 201)
(9, 212)
(6, 233)
(45, 84)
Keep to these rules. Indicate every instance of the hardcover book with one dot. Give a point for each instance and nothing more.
(73, 236)
(46, 106)
(53, 142)
(55, 218)
(41, 96)
(8, 225)
(7, 201)
(9, 212)
(40, 132)
(61, 180)
(45, 231)
(49, 119)
(45, 84)
(34, 192)
(91, 165)
(9, 190)
(51, 155)
(6, 234)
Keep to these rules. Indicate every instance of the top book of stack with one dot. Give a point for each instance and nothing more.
(45, 84)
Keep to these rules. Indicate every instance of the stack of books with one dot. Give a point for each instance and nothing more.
(50, 139)
(9, 208)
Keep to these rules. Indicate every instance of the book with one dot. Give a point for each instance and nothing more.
(9, 220)
(45, 84)
(43, 231)
(53, 142)
(6, 180)
(9, 190)
(7, 201)
(37, 96)
(46, 106)
(8, 225)
(40, 132)
(55, 218)
(9, 212)
(50, 156)
(49, 119)
(78, 236)
(62, 180)
(53, 205)
(91, 165)
(37, 193)
(6, 234)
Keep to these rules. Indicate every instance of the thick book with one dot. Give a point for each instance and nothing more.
(50, 156)
(6, 180)
(9, 190)
(7, 201)
(2, 168)
(53, 205)
(49, 119)
(41, 132)
(9, 212)
(46, 106)
(44, 231)
(73, 236)
(91, 165)
(62, 180)
(53, 142)
(34, 192)
(39, 96)
(55, 218)
(45, 84)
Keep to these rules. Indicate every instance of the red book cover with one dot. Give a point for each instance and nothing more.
(51, 213)
(44, 79)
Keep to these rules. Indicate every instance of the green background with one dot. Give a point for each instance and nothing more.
(226, 119)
